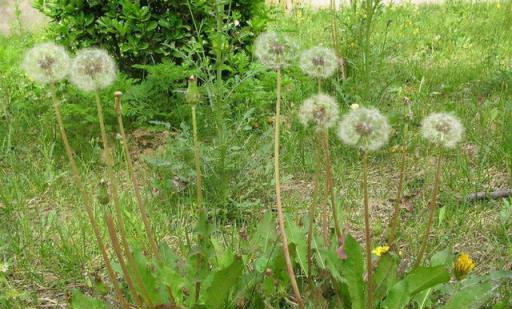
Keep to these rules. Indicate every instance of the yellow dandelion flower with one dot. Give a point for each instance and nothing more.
(380, 250)
(463, 265)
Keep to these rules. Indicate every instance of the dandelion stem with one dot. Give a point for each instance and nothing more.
(432, 208)
(395, 218)
(114, 190)
(334, 33)
(136, 189)
(120, 258)
(312, 212)
(280, 215)
(129, 255)
(330, 180)
(367, 230)
(135, 183)
(197, 162)
(86, 198)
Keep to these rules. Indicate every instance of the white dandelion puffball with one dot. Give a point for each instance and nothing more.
(46, 63)
(320, 110)
(365, 128)
(319, 62)
(275, 50)
(442, 129)
(92, 69)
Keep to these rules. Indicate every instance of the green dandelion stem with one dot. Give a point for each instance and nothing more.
(197, 162)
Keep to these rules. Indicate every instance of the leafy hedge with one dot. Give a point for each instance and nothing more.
(147, 31)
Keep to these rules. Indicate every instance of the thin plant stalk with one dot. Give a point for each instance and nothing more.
(114, 190)
(330, 180)
(280, 215)
(115, 198)
(323, 206)
(119, 253)
(432, 208)
(86, 199)
(199, 185)
(367, 231)
(394, 226)
(136, 187)
(133, 177)
(197, 162)
(334, 33)
(312, 213)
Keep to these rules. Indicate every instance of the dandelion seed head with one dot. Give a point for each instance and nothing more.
(442, 129)
(46, 63)
(365, 128)
(319, 62)
(93, 69)
(275, 50)
(320, 110)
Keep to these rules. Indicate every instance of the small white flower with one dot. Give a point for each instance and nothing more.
(93, 69)
(365, 128)
(354, 106)
(319, 110)
(46, 63)
(319, 62)
(275, 50)
(442, 129)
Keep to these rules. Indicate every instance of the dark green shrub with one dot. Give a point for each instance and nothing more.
(145, 32)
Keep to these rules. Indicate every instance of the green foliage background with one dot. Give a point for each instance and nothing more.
(146, 32)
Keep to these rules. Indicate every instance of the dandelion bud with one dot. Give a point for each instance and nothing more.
(93, 69)
(365, 128)
(463, 265)
(320, 110)
(275, 50)
(319, 62)
(442, 129)
(46, 63)
(192, 95)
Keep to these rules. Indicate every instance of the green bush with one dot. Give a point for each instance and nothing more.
(145, 32)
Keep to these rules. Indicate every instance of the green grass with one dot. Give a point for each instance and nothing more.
(451, 57)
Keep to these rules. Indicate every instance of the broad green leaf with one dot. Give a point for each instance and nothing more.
(353, 270)
(471, 297)
(418, 280)
(442, 257)
(385, 275)
(82, 301)
(223, 281)
(476, 291)
(297, 236)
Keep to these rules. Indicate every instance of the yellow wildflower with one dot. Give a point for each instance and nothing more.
(463, 265)
(380, 250)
